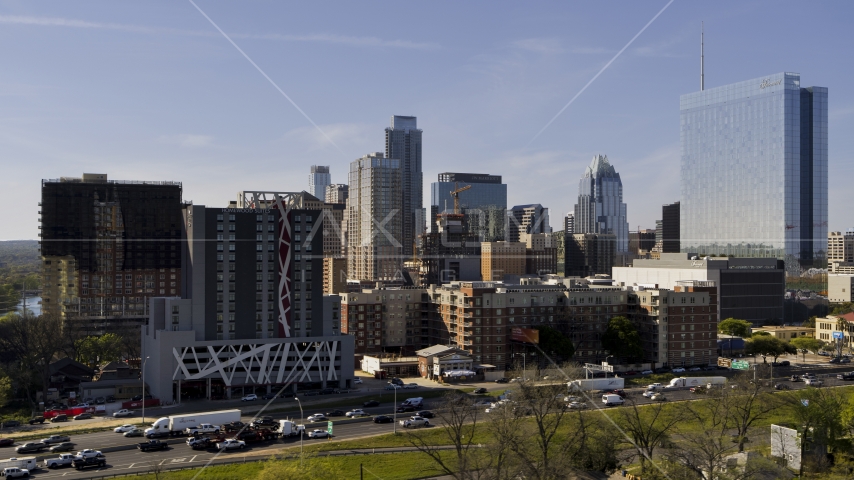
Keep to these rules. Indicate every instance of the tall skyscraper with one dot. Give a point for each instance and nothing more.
(108, 246)
(318, 180)
(532, 218)
(374, 249)
(403, 143)
(600, 207)
(670, 228)
(754, 170)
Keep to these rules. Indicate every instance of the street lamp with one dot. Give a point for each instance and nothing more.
(606, 361)
(143, 390)
(302, 433)
(394, 406)
(524, 357)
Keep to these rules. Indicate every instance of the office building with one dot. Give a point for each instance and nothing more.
(374, 223)
(403, 144)
(642, 240)
(318, 180)
(484, 202)
(449, 252)
(532, 218)
(840, 252)
(600, 208)
(839, 288)
(750, 289)
(670, 228)
(253, 317)
(824, 328)
(540, 253)
(107, 246)
(589, 254)
(754, 170)
(498, 259)
(569, 223)
(337, 193)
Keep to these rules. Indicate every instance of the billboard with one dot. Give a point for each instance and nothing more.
(838, 336)
(527, 335)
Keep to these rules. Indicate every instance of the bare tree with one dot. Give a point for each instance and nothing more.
(31, 343)
(648, 426)
(747, 403)
(704, 450)
(459, 422)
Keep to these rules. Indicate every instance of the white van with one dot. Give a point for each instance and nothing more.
(611, 399)
(415, 402)
(24, 462)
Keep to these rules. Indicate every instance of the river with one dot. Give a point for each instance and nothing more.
(34, 306)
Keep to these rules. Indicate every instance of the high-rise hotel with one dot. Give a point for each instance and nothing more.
(754, 170)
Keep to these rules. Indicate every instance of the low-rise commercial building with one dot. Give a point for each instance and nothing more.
(786, 333)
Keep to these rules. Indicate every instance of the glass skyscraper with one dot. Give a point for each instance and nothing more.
(754, 170)
(600, 207)
(318, 180)
(403, 143)
(485, 203)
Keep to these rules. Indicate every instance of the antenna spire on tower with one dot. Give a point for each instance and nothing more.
(702, 60)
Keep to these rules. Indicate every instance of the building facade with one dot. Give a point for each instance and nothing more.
(375, 240)
(533, 218)
(318, 180)
(403, 143)
(107, 247)
(501, 258)
(754, 170)
(600, 208)
(337, 193)
(484, 203)
(670, 228)
(589, 254)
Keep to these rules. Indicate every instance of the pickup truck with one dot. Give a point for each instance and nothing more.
(123, 413)
(64, 460)
(202, 443)
(415, 421)
(231, 444)
(55, 439)
(268, 422)
(152, 445)
(87, 462)
(203, 428)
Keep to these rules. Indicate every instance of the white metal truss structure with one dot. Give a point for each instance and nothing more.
(259, 363)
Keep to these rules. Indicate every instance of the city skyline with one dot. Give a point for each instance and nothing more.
(70, 111)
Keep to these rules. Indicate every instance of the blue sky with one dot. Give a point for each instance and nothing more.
(150, 90)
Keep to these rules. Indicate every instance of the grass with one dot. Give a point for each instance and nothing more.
(392, 466)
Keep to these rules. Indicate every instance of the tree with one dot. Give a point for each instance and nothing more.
(621, 338)
(810, 322)
(703, 450)
(821, 412)
(746, 404)
(806, 344)
(647, 426)
(28, 345)
(735, 328)
(768, 346)
(555, 343)
(97, 350)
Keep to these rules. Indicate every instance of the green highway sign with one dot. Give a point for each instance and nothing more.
(740, 365)
(329, 427)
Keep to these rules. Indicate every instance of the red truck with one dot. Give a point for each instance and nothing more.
(257, 435)
(70, 412)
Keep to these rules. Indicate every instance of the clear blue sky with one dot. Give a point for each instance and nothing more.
(150, 90)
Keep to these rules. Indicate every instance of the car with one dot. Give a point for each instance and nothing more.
(63, 447)
(310, 394)
(136, 432)
(15, 472)
(123, 413)
(11, 423)
(89, 453)
(572, 398)
(318, 433)
(710, 368)
(265, 421)
(646, 372)
(630, 373)
(618, 391)
(649, 393)
(111, 399)
(234, 426)
(136, 398)
(269, 396)
(808, 375)
(695, 369)
(317, 417)
(845, 360)
(698, 389)
(55, 439)
(426, 414)
(795, 378)
(658, 397)
(383, 419)
(356, 412)
(502, 380)
(678, 370)
(31, 447)
(371, 403)
(392, 386)
(59, 418)
(329, 391)
(6, 442)
(405, 408)
(231, 444)
(782, 386)
(124, 428)
(654, 386)
(410, 385)
(35, 420)
(577, 406)
(286, 395)
(824, 354)
(813, 382)
(82, 405)
(479, 391)
(100, 400)
(249, 398)
(357, 381)
(83, 416)
(835, 360)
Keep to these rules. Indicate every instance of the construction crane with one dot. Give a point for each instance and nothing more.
(456, 194)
